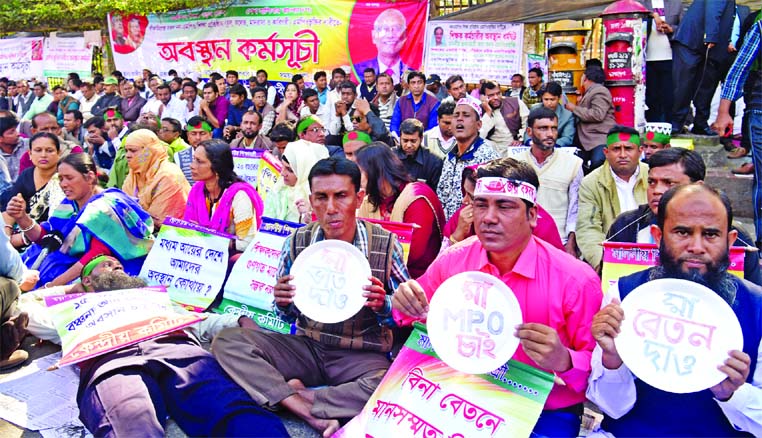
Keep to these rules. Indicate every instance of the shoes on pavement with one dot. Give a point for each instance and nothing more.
(738, 152)
(744, 169)
(16, 359)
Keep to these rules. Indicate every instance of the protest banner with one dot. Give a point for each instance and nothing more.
(537, 61)
(302, 36)
(329, 277)
(676, 333)
(249, 289)
(269, 172)
(92, 324)
(625, 258)
(246, 164)
(62, 56)
(420, 396)
(190, 260)
(403, 231)
(475, 50)
(21, 58)
(516, 150)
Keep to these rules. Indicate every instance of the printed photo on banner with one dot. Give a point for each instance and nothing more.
(387, 39)
(127, 32)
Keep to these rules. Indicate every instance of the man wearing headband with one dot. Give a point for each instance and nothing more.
(469, 149)
(197, 130)
(311, 129)
(694, 235)
(619, 185)
(353, 141)
(558, 294)
(655, 138)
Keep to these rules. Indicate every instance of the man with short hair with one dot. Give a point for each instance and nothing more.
(250, 136)
(619, 185)
(560, 174)
(365, 117)
(312, 105)
(259, 100)
(420, 163)
(557, 293)
(12, 146)
(656, 137)
(504, 118)
(196, 130)
(386, 98)
(73, 130)
(239, 104)
(694, 236)
(262, 82)
(434, 85)
(40, 102)
(298, 80)
(338, 77)
(532, 94)
(95, 139)
(192, 102)
(456, 88)
(551, 97)
(367, 88)
(469, 149)
(517, 86)
(340, 121)
(389, 35)
(231, 78)
(112, 153)
(281, 135)
(170, 133)
(415, 105)
(25, 97)
(321, 86)
(214, 107)
(347, 360)
(222, 86)
(88, 100)
(98, 84)
(440, 140)
(131, 102)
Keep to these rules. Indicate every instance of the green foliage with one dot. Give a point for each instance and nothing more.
(77, 15)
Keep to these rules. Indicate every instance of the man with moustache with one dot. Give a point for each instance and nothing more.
(389, 35)
(694, 235)
(668, 168)
(250, 136)
(420, 163)
(386, 98)
(504, 118)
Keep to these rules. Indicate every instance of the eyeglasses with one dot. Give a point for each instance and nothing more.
(356, 119)
(317, 130)
(391, 30)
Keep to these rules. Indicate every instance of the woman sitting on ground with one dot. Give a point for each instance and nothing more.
(219, 199)
(159, 186)
(292, 103)
(392, 195)
(38, 185)
(290, 198)
(90, 221)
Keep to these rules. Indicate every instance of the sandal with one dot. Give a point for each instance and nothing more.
(738, 152)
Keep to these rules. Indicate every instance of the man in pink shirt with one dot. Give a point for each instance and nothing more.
(558, 294)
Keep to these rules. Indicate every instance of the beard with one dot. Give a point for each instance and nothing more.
(115, 280)
(249, 134)
(715, 278)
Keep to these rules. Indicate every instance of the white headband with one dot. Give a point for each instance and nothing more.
(506, 187)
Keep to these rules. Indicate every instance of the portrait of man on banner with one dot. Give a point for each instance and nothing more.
(127, 32)
(386, 39)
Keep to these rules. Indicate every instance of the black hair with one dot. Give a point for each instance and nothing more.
(381, 164)
(540, 113)
(195, 120)
(510, 168)
(519, 75)
(369, 70)
(666, 198)
(172, 72)
(54, 138)
(259, 116)
(337, 166)
(537, 71)
(176, 125)
(97, 121)
(295, 78)
(453, 79)
(238, 90)
(221, 157)
(8, 122)
(552, 88)
(262, 71)
(164, 87)
(416, 74)
(593, 62)
(318, 75)
(258, 89)
(232, 72)
(347, 84)
(215, 77)
(191, 84)
(211, 85)
(411, 126)
(82, 163)
(338, 70)
(488, 85)
(691, 162)
(77, 82)
(595, 74)
(446, 109)
(282, 132)
(308, 92)
(77, 114)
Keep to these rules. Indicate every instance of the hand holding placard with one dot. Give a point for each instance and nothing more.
(542, 344)
(411, 300)
(606, 326)
(736, 367)
(375, 294)
(284, 291)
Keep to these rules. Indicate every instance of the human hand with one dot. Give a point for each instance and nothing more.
(465, 220)
(570, 106)
(542, 344)
(112, 133)
(30, 278)
(341, 108)
(731, 48)
(410, 299)
(284, 291)
(571, 245)
(375, 293)
(362, 105)
(95, 139)
(736, 367)
(16, 207)
(710, 45)
(724, 124)
(606, 325)
(302, 206)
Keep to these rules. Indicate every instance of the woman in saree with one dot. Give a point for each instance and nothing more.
(392, 195)
(37, 185)
(292, 104)
(219, 199)
(290, 197)
(159, 186)
(91, 222)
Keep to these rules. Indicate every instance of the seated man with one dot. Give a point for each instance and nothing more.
(619, 185)
(349, 357)
(668, 168)
(12, 327)
(420, 163)
(558, 294)
(655, 138)
(131, 391)
(197, 130)
(311, 129)
(694, 234)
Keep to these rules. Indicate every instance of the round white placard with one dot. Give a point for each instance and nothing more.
(471, 322)
(329, 276)
(676, 333)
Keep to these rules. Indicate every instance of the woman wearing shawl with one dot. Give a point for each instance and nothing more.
(292, 104)
(37, 185)
(290, 198)
(159, 186)
(219, 199)
(392, 195)
(91, 222)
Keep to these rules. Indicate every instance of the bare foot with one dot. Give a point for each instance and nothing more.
(302, 390)
(302, 408)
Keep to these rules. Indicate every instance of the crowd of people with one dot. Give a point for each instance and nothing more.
(513, 180)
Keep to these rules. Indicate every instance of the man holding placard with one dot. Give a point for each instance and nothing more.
(557, 293)
(694, 235)
(348, 356)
